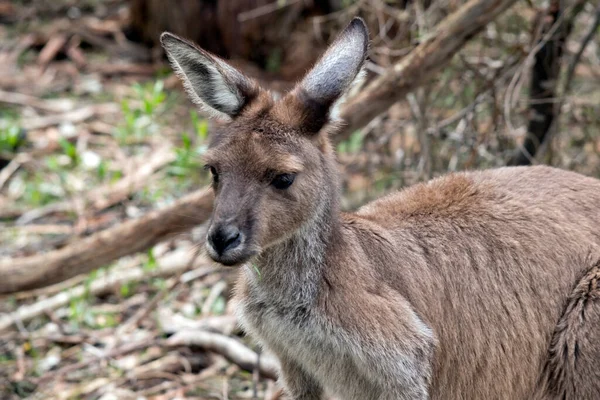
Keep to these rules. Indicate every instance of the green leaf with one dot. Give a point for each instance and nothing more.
(151, 264)
(257, 271)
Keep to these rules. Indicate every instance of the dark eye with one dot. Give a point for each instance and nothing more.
(283, 181)
(214, 173)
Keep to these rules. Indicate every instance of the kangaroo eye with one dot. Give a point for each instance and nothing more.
(283, 181)
(214, 172)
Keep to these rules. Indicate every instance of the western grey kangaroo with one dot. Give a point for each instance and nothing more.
(477, 285)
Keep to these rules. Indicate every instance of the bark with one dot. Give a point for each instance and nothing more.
(544, 78)
(138, 235)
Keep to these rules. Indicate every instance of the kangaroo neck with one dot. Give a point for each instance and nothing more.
(293, 268)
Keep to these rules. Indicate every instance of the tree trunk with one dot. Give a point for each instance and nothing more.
(264, 32)
(544, 78)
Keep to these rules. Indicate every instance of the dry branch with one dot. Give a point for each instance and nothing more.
(229, 348)
(74, 116)
(20, 99)
(431, 55)
(103, 247)
(88, 254)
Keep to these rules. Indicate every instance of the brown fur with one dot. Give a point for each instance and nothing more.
(478, 285)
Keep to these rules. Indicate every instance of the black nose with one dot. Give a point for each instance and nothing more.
(224, 238)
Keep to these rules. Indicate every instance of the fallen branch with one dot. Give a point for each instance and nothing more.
(431, 55)
(103, 247)
(229, 348)
(83, 256)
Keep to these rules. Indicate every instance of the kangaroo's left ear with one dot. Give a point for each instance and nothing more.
(331, 77)
(209, 81)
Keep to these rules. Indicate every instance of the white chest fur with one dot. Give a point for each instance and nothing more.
(295, 331)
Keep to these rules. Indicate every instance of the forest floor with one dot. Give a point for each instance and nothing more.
(95, 130)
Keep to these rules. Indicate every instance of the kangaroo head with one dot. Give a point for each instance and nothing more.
(272, 165)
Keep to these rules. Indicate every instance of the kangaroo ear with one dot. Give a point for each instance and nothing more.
(209, 81)
(332, 76)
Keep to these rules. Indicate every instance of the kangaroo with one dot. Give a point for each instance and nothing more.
(475, 285)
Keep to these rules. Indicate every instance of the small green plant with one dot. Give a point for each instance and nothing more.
(187, 157)
(159, 283)
(127, 289)
(139, 113)
(10, 137)
(70, 150)
(38, 191)
(150, 264)
(102, 170)
(80, 313)
(152, 97)
(200, 125)
(352, 145)
(218, 307)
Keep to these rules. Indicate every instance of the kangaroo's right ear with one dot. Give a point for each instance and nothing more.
(315, 98)
(210, 82)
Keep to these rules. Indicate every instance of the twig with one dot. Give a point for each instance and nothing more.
(58, 105)
(264, 10)
(21, 369)
(12, 167)
(51, 49)
(591, 32)
(231, 349)
(170, 264)
(121, 351)
(433, 53)
(107, 195)
(144, 311)
(73, 116)
(214, 294)
(172, 323)
(212, 370)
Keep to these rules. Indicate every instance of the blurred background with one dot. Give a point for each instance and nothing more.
(105, 292)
